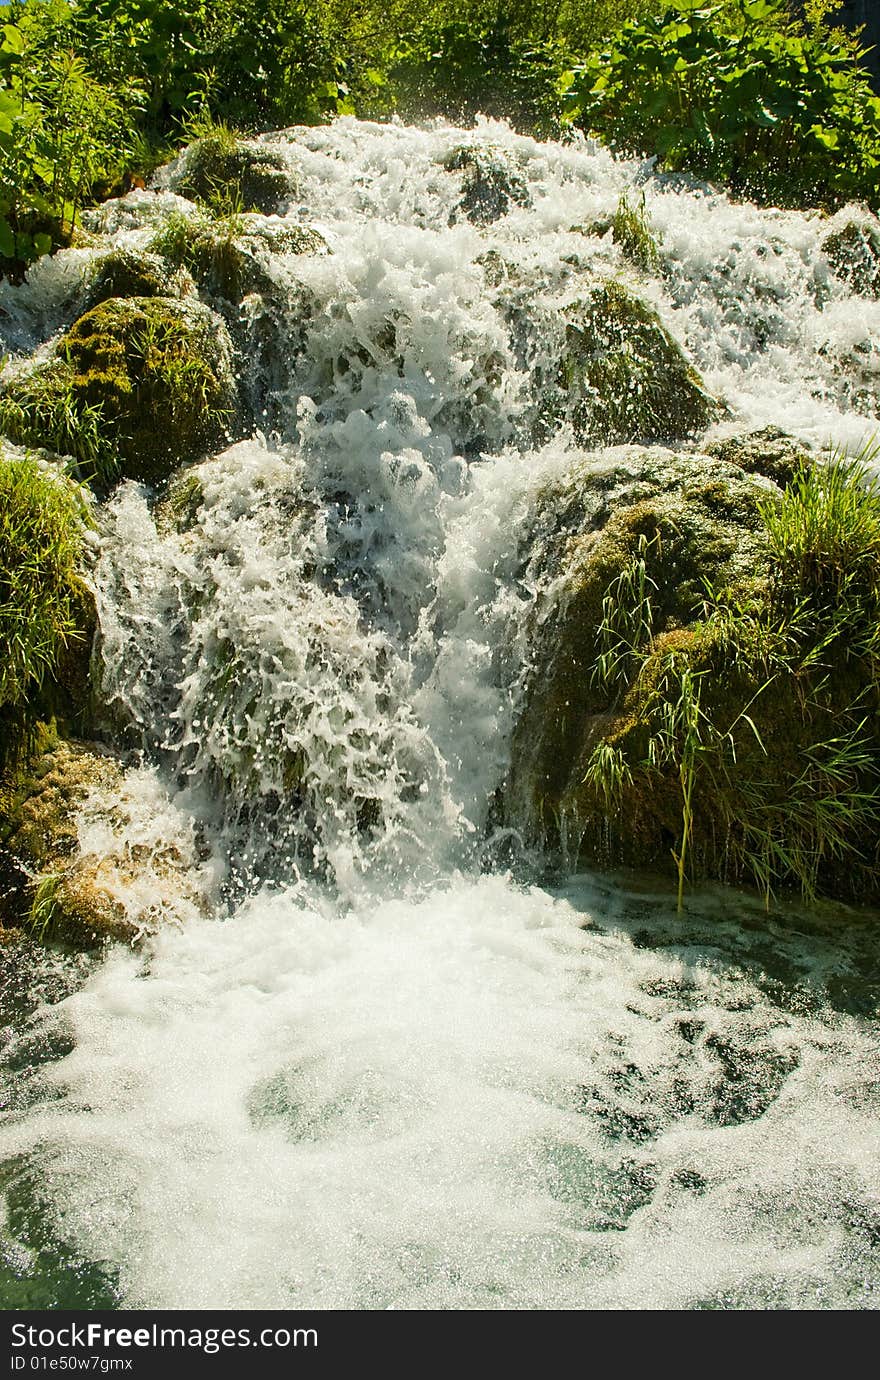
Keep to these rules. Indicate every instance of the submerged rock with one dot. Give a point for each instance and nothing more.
(853, 251)
(490, 184)
(623, 378)
(136, 387)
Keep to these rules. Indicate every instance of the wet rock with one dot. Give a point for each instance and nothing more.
(853, 251)
(769, 452)
(231, 257)
(623, 378)
(77, 868)
(244, 175)
(752, 1077)
(490, 184)
(138, 385)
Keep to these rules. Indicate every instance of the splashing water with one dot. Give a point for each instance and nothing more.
(377, 1076)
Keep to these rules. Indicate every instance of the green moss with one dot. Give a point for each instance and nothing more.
(129, 273)
(145, 385)
(624, 378)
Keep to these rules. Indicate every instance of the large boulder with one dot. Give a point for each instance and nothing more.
(702, 684)
(623, 377)
(136, 387)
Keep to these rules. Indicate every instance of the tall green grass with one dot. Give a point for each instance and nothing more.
(42, 522)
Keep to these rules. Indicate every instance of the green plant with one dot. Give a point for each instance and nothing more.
(62, 131)
(608, 773)
(752, 733)
(47, 412)
(627, 620)
(631, 230)
(43, 908)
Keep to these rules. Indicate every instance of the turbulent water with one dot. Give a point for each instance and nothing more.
(381, 1070)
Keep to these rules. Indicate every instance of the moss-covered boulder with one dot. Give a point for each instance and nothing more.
(47, 611)
(238, 174)
(853, 252)
(233, 256)
(77, 864)
(136, 387)
(490, 184)
(128, 272)
(704, 694)
(623, 378)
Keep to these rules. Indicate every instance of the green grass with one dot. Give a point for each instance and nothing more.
(42, 520)
(45, 411)
(753, 733)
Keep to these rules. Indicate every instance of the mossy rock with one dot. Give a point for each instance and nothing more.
(768, 452)
(39, 844)
(59, 887)
(672, 616)
(228, 256)
(132, 273)
(853, 252)
(699, 516)
(137, 386)
(490, 184)
(623, 378)
(220, 169)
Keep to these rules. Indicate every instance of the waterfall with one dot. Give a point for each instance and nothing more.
(392, 1064)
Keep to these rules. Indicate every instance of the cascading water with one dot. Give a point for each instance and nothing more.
(380, 1071)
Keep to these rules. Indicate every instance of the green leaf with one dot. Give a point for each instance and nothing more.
(7, 239)
(13, 40)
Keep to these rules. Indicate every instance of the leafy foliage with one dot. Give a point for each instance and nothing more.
(738, 92)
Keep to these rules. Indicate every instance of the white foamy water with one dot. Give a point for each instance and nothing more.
(373, 1076)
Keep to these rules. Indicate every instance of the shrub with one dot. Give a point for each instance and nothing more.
(738, 92)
